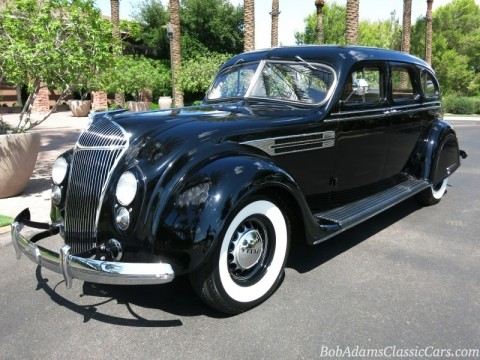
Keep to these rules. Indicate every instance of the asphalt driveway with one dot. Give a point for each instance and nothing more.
(409, 278)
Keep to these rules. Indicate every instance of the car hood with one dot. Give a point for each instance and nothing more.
(203, 123)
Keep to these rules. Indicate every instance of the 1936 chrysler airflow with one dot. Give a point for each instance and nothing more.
(297, 141)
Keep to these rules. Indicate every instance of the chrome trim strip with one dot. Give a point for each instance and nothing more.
(383, 114)
(418, 107)
(270, 145)
(255, 78)
(96, 271)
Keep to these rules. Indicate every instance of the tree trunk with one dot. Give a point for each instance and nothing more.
(115, 18)
(406, 25)
(351, 22)
(275, 12)
(319, 35)
(249, 24)
(428, 33)
(175, 51)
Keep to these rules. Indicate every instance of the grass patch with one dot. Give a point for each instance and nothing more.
(5, 220)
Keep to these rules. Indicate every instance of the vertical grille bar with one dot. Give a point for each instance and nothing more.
(95, 155)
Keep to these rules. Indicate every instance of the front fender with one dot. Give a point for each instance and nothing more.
(200, 206)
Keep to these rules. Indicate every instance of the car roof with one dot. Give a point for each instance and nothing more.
(334, 55)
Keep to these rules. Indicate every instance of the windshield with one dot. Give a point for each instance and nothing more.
(300, 82)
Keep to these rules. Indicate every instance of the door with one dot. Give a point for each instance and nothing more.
(361, 129)
(407, 118)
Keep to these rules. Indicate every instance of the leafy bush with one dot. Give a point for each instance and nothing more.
(198, 72)
(4, 127)
(132, 74)
(461, 104)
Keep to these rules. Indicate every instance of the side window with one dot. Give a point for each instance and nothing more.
(402, 84)
(429, 86)
(363, 87)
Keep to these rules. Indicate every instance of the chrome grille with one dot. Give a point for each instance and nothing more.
(95, 156)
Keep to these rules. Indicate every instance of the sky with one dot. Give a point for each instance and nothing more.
(293, 13)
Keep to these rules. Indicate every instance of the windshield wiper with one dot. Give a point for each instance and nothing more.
(306, 63)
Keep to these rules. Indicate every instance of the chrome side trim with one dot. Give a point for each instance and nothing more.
(96, 271)
(382, 114)
(294, 143)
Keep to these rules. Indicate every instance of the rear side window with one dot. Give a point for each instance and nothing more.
(363, 87)
(429, 86)
(402, 84)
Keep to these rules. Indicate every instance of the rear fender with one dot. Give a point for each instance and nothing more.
(437, 154)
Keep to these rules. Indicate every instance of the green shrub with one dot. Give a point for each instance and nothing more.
(197, 73)
(461, 104)
(4, 127)
(5, 220)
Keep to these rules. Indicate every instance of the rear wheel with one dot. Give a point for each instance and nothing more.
(248, 264)
(433, 194)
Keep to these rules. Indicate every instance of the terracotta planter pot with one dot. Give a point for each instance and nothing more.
(138, 105)
(165, 102)
(80, 108)
(18, 154)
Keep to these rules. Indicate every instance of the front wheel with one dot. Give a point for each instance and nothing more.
(433, 194)
(248, 264)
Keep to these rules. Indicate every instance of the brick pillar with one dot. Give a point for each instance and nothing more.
(99, 101)
(41, 104)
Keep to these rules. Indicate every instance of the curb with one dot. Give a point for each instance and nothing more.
(461, 118)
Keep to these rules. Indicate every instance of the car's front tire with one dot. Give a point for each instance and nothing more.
(248, 263)
(433, 194)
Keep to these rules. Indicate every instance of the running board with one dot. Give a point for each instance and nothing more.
(343, 217)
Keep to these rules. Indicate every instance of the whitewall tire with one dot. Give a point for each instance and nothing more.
(433, 194)
(249, 262)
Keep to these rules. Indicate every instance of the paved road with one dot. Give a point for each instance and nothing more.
(408, 277)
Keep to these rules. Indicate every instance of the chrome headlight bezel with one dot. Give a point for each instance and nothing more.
(59, 170)
(126, 189)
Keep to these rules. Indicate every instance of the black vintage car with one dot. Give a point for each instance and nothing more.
(300, 142)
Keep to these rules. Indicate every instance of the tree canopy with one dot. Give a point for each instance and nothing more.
(63, 44)
(456, 40)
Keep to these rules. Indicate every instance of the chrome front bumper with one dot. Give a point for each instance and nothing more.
(74, 267)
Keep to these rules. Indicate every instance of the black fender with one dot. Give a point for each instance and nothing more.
(437, 154)
(199, 206)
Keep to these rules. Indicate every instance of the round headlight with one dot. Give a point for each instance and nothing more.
(59, 170)
(126, 188)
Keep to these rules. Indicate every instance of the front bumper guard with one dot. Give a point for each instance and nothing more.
(86, 269)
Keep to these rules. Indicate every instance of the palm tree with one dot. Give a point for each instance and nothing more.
(249, 24)
(275, 12)
(351, 22)
(175, 51)
(115, 18)
(407, 25)
(428, 33)
(319, 4)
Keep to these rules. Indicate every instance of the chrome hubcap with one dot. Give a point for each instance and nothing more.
(246, 247)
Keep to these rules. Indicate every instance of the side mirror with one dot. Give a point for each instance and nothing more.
(360, 87)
